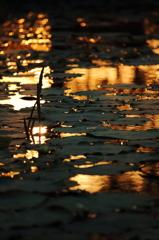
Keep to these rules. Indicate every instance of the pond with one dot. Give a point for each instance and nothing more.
(90, 159)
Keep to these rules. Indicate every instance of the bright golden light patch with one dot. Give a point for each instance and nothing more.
(43, 129)
(125, 182)
(124, 107)
(92, 40)
(142, 149)
(62, 135)
(26, 62)
(83, 24)
(39, 134)
(100, 63)
(80, 20)
(91, 164)
(131, 180)
(17, 103)
(41, 15)
(74, 157)
(22, 20)
(89, 183)
(30, 77)
(154, 44)
(92, 78)
(9, 174)
(34, 169)
(36, 37)
(29, 154)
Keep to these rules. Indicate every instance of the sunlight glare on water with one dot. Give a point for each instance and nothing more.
(89, 183)
(126, 182)
(99, 77)
(29, 154)
(39, 134)
(92, 78)
(33, 34)
(19, 80)
(9, 174)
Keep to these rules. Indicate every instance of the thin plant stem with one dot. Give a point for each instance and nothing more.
(26, 129)
(31, 114)
(29, 127)
(39, 86)
(39, 134)
(31, 130)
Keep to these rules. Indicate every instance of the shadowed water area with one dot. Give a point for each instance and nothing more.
(88, 167)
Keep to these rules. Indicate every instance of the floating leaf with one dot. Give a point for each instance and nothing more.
(146, 104)
(143, 234)
(39, 186)
(85, 148)
(42, 216)
(4, 142)
(124, 134)
(113, 223)
(20, 199)
(104, 203)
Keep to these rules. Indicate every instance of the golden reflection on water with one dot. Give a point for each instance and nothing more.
(95, 77)
(89, 183)
(9, 174)
(39, 134)
(126, 182)
(74, 157)
(17, 102)
(16, 83)
(34, 168)
(154, 44)
(152, 124)
(91, 164)
(32, 31)
(29, 154)
(62, 135)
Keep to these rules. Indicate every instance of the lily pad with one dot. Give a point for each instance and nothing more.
(20, 199)
(85, 148)
(103, 203)
(143, 234)
(146, 104)
(133, 157)
(113, 223)
(129, 121)
(115, 97)
(39, 186)
(124, 134)
(92, 93)
(4, 142)
(32, 217)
